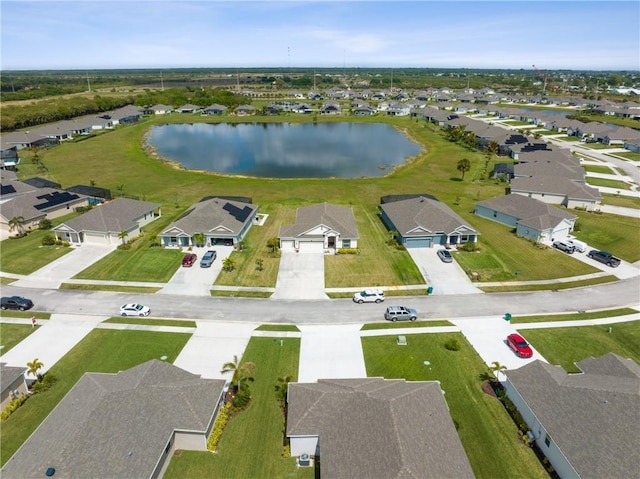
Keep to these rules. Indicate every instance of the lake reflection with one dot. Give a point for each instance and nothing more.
(284, 150)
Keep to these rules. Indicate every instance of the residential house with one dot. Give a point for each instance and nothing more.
(215, 109)
(320, 227)
(558, 190)
(189, 108)
(423, 222)
(245, 110)
(586, 424)
(158, 109)
(331, 108)
(218, 218)
(375, 427)
(532, 219)
(96, 194)
(12, 384)
(104, 223)
(126, 424)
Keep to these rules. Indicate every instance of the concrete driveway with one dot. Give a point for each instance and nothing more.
(330, 351)
(445, 278)
(197, 281)
(55, 273)
(300, 276)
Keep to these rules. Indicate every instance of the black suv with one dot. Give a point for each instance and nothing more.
(16, 302)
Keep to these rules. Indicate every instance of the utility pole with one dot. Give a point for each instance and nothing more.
(88, 84)
(161, 82)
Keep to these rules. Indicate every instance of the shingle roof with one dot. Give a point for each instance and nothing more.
(528, 211)
(374, 427)
(36, 203)
(592, 417)
(423, 213)
(555, 185)
(212, 214)
(8, 374)
(117, 425)
(337, 217)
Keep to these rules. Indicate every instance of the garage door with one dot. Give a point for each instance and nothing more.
(95, 238)
(311, 246)
(418, 242)
(561, 233)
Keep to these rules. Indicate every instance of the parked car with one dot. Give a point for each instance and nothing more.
(208, 259)
(604, 257)
(579, 246)
(134, 309)
(400, 313)
(564, 246)
(519, 345)
(372, 295)
(189, 259)
(16, 302)
(445, 256)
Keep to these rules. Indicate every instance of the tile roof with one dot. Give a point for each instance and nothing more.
(338, 218)
(374, 427)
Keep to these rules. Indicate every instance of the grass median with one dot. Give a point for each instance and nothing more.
(12, 334)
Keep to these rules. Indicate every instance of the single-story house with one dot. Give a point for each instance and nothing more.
(320, 227)
(104, 223)
(423, 222)
(12, 383)
(158, 109)
(122, 425)
(218, 218)
(189, 108)
(375, 427)
(586, 424)
(557, 190)
(532, 219)
(215, 109)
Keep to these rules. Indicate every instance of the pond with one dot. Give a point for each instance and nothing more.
(285, 150)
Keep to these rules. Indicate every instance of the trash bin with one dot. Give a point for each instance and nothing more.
(430, 290)
(507, 316)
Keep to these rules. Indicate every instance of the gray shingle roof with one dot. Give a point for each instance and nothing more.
(528, 211)
(423, 213)
(213, 214)
(35, 204)
(117, 425)
(337, 217)
(593, 417)
(555, 185)
(112, 217)
(373, 427)
(8, 374)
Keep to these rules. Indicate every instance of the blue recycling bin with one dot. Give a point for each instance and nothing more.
(430, 290)
(507, 316)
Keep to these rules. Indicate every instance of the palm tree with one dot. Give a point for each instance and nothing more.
(17, 223)
(33, 368)
(464, 165)
(122, 235)
(282, 387)
(496, 368)
(228, 264)
(240, 371)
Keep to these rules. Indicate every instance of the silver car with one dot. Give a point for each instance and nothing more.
(400, 313)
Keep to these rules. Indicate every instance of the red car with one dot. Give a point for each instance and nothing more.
(519, 345)
(189, 259)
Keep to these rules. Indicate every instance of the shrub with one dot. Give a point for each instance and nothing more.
(221, 422)
(83, 209)
(48, 240)
(469, 246)
(44, 384)
(242, 398)
(347, 251)
(125, 246)
(452, 345)
(45, 224)
(286, 451)
(13, 405)
(65, 244)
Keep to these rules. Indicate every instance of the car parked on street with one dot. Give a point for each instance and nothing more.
(400, 313)
(519, 345)
(189, 259)
(208, 259)
(372, 295)
(445, 256)
(564, 246)
(134, 309)
(16, 302)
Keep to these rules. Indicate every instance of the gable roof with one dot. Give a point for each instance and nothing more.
(338, 218)
(412, 216)
(118, 425)
(112, 217)
(374, 427)
(528, 211)
(36, 203)
(592, 416)
(213, 213)
(8, 374)
(557, 185)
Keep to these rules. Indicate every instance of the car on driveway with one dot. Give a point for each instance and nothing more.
(16, 302)
(189, 259)
(445, 256)
(372, 295)
(400, 313)
(604, 257)
(134, 309)
(208, 259)
(565, 246)
(519, 345)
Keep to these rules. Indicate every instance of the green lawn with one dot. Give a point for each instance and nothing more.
(553, 286)
(26, 255)
(565, 346)
(410, 324)
(609, 313)
(620, 185)
(598, 169)
(107, 351)
(10, 313)
(110, 287)
(151, 321)
(629, 155)
(12, 334)
(617, 234)
(619, 200)
(489, 436)
(252, 443)
(278, 327)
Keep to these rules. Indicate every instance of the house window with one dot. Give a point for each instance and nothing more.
(547, 440)
(464, 238)
(495, 214)
(346, 243)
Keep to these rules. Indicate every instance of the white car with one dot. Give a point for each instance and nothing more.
(373, 295)
(134, 309)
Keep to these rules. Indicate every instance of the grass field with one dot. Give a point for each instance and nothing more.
(107, 351)
(619, 200)
(553, 286)
(110, 287)
(10, 313)
(12, 334)
(151, 321)
(609, 313)
(598, 169)
(488, 434)
(404, 324)
(565, 346)
(26, 255)
(617, 234)
(252, 443)
(620, 185)
(278, 327)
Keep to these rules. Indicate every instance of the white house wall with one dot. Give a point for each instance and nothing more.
(304, 445)
(190, 441)
(589, 205)
(548, 198)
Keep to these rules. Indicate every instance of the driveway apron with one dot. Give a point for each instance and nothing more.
(330, 351)
(212, 345)
(55, 338)
(194, 280)
(300, 276)
(55, 273)
(444, 278)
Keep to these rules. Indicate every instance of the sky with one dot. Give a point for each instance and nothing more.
(514, 34)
